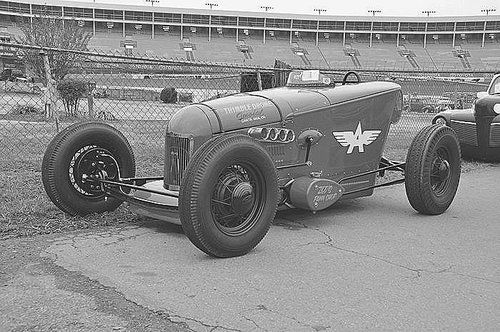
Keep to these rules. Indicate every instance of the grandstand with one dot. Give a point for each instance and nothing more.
(460, 43)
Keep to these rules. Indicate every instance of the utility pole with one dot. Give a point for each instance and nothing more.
(488, 10)
(152, 2)
(211, 4)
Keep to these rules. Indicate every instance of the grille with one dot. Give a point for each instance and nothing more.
(495, 135)
(177, 153)
(276, 150)
(466, 132)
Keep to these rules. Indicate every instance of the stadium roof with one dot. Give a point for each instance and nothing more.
(145, 8)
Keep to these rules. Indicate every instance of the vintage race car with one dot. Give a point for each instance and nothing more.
(478, 128)
(230, 163)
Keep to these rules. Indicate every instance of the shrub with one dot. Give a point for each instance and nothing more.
(71, 91)
(26, 109)
(185, 97)
(168, 95)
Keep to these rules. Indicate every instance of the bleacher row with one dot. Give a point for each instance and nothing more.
(326, 54)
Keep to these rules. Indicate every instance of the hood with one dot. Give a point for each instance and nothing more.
(258, 108)
(485, 105)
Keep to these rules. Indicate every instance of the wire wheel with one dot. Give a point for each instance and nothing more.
(88, 163)
(75, 157)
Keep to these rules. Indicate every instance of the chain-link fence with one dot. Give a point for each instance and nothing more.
(138, 96)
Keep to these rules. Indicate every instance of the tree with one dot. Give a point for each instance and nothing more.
(53, 32)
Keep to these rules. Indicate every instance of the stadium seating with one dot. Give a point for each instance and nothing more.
(328, 53)
(297, 48)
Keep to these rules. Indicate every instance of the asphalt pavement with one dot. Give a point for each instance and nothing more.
(370, 263)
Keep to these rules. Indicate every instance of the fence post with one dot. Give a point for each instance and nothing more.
(51, 109)
(259, 81)
(90, 99)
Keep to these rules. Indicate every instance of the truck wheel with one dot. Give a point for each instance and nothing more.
(432, 169)
(228, 196)
(78, 152)
(428, 109)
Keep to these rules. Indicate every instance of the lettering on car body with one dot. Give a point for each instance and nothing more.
(245, 107)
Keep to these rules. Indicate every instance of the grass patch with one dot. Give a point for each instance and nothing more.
(26, 210)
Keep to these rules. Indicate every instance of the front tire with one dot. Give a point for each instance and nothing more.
(76, 154)
(432, 170)
(228, 196)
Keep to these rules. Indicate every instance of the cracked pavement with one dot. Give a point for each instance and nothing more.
(370, 263)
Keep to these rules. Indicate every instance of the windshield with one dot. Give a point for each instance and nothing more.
(495, 86)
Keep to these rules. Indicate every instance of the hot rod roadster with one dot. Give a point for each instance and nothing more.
(230, 163)
(478, 128)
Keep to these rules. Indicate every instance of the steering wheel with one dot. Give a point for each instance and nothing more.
(349, 73)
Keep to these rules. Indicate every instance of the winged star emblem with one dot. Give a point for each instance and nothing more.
(358, 138)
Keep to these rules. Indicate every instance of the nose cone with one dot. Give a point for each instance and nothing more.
(191, 120)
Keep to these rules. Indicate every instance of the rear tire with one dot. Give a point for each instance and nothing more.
(228, 196)
(80, 150)
(432, 170)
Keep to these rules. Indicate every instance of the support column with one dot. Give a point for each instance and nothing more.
(124, 32)
(153, 27)
(425, 35)
(31, 15)
(265, 25)
(484, 34)
(371, 34)
(454, 34)
(397, 38)
(209, 28)
(182, 26)
(237, 29)
(343, 35)
(317, 34)
(93, 22)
